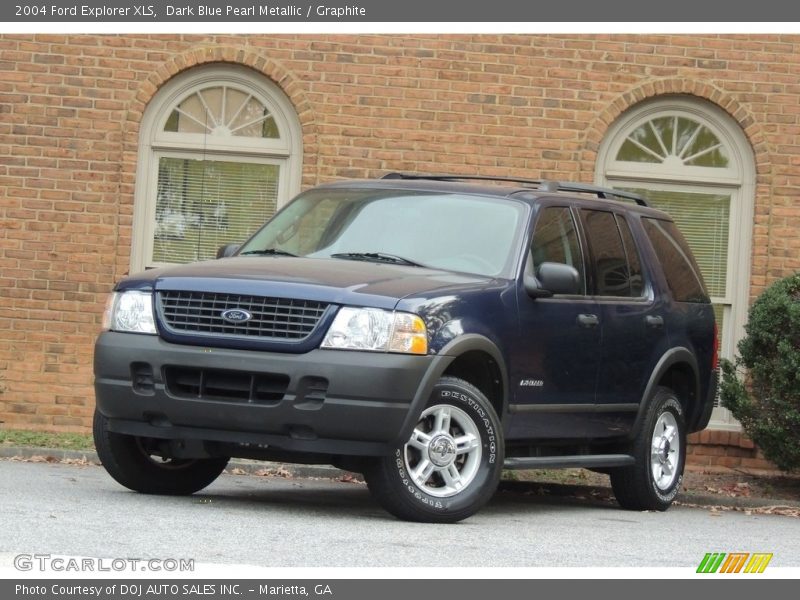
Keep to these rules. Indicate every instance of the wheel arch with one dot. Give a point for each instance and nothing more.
(473, 358)
(677, 369)
(482, 370)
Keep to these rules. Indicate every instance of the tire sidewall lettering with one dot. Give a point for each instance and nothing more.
(670, 405)
(488, 441)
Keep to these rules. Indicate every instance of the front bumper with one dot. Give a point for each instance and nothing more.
(324, 401)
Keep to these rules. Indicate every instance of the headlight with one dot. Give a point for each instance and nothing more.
(131, 312)
(377, 330)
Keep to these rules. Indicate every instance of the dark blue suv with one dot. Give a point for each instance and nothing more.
(427, 331)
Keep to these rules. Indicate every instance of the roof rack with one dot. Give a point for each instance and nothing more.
(600, 192)
(535, 182)
(545, 185)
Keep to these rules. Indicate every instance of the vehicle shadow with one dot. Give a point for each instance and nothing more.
(330, 498)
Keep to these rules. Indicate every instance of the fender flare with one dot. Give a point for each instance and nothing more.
(457, 347)
(670, 358)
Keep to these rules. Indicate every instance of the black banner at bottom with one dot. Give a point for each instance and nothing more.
(383, 589)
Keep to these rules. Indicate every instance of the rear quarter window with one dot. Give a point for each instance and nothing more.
(680, 268)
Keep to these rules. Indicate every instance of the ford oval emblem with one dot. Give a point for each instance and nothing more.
(236, 315)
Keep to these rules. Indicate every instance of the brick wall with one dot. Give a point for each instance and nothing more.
(534, 106)
(730, 449)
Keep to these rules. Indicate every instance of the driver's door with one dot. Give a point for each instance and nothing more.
(554, 369)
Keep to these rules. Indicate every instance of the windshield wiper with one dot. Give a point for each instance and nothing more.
(377, 257)
(269, 252)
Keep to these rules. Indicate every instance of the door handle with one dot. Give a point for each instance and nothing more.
(588, 321)
(653, 321)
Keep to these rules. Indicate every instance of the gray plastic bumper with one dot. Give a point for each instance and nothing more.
(324, 401)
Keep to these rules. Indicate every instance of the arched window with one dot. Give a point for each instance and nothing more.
(220, 150)
(693, 161)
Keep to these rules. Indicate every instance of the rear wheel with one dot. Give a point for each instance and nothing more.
(138, 464)
(660, 452)
(451, 464)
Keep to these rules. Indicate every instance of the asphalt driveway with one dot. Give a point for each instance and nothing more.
(278, 522)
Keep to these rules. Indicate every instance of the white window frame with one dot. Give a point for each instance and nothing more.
(737, 180)
(155, 143)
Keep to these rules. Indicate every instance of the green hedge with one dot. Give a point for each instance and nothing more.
(762, 388)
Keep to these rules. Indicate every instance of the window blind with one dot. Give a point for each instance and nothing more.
(704, 220)
(203, 204)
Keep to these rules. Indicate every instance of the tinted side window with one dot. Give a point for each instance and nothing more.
(555, 240)
(632, 253)
(680, 269)
(612, 275)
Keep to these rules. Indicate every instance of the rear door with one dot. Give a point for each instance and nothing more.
(634, 331)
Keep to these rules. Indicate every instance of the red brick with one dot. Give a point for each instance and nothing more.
(507, 105)
(757, 463)
(746, 442)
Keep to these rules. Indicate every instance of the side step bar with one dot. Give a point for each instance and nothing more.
(563, 462)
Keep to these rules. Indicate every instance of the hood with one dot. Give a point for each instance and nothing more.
(337, 281)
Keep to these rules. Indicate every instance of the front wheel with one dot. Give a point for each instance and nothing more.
(451, 464)
(136, 463)
(660, 452)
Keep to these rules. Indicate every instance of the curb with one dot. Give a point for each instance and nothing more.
(251, 467)
(560, 490)
(25, 452)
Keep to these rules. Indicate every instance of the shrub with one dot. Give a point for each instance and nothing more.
(766, 401)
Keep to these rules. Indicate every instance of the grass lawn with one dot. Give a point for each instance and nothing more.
(40, 439)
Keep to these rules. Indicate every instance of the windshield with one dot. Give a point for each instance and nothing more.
(455, 232)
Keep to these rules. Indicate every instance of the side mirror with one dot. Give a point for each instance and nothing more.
(228, 250)
(553, 278)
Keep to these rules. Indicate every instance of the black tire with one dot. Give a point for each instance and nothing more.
(126, 459)
(655, 479)
(436, 498)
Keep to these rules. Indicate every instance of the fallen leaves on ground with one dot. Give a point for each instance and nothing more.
(279, 472)
(734, 490)
(716, 511)
(40, 458)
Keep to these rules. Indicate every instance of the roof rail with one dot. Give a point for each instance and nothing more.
(536, 182)
(600, 192)
(545, 185)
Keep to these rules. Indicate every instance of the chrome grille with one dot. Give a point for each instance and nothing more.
(200, 313)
